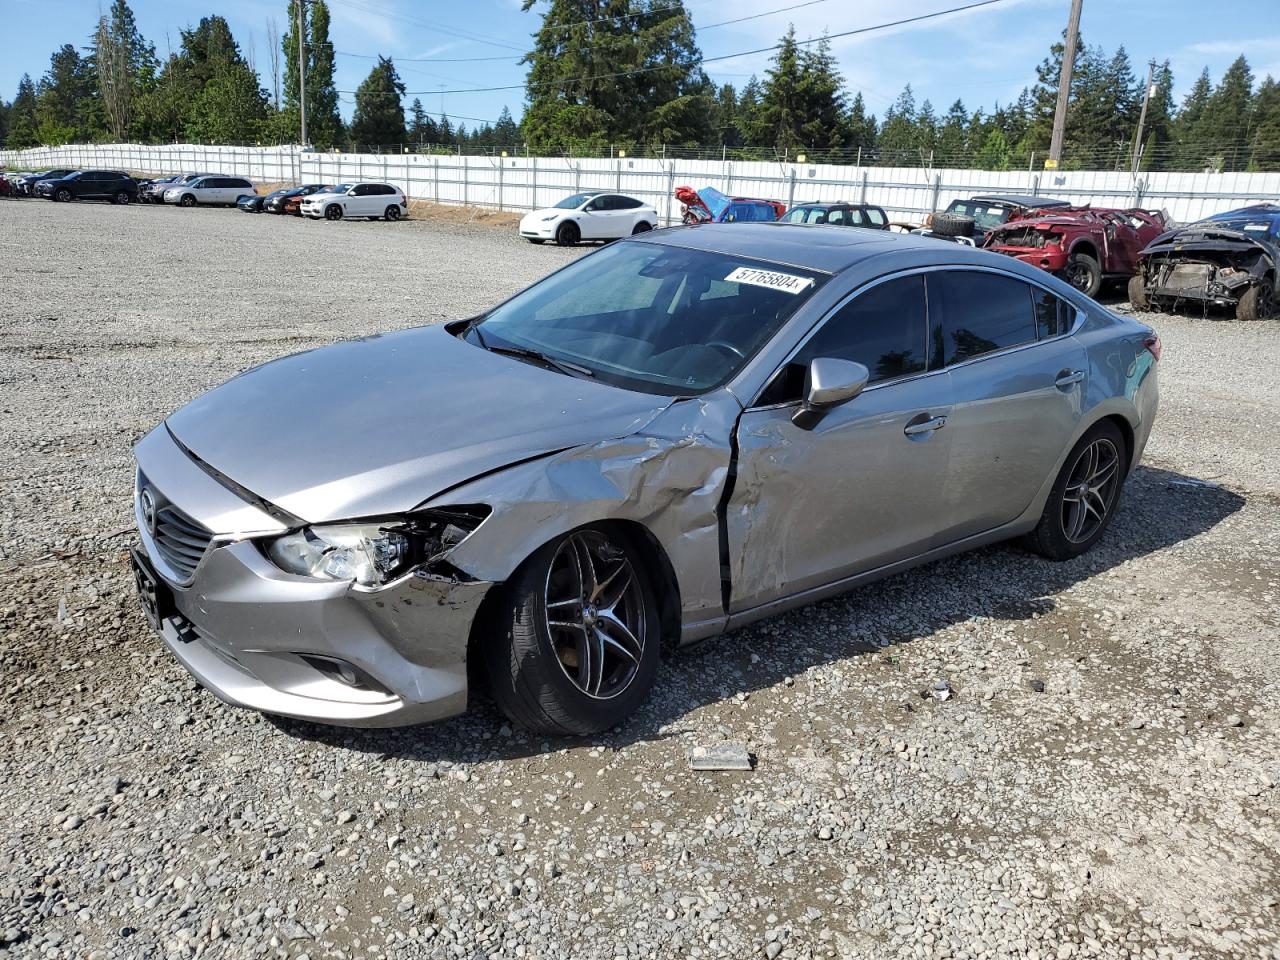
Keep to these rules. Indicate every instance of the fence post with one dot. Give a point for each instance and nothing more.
(791, 189)
(618, 180)
(535, 183)
(435, 177)
(937, 189)
(466, 175)
(865, 175)
(501, 175)
(577, 177)
(1035, 185)
(671, 186)
(728, 177)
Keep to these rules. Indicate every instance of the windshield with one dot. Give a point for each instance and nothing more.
(985, 215)
(340, 188)
(573, 202)
(650, 317)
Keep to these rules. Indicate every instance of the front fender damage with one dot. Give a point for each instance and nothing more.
(670, 478)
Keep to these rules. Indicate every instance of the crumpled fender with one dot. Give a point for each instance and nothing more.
(670, 478)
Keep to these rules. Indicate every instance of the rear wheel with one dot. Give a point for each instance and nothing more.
(121, 197)
(1258, 302)
(568, 234)
(1084, 497)
(642, 227)
(1084, 273)
(392, 213)
(579, 636)
(1138, 293)
(333, 212)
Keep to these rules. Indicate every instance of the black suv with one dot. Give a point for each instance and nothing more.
(838, 214)
(91, 185)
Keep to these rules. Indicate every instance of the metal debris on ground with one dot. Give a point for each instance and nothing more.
(720, 756)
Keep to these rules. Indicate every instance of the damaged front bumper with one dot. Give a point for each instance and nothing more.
(319, 650)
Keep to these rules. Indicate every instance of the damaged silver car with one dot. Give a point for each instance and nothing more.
(667, 439)
(1228, 260)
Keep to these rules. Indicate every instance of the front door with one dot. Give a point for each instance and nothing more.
(864, 487)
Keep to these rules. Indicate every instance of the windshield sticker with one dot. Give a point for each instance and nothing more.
(786, 282)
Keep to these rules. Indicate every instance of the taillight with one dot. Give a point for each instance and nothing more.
(1152, 343)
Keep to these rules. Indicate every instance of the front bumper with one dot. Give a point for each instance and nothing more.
(1052, 259)
(538, 229)
(261, 638)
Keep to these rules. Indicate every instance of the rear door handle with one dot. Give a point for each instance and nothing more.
(1068, 378)
(917, 426)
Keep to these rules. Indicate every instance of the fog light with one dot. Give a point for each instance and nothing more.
(345, 673)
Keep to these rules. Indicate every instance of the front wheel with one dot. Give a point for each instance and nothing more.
(578, 636)
(392, 213)
(1138, 293)
(1084, 273)
(63, 195)
(187, 201)
(568, 234)
(333, 212)
(1083, 498)
(1258, 302)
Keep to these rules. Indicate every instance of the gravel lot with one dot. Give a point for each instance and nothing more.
(1102, 781)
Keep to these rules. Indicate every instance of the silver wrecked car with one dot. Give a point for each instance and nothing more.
(666, 439)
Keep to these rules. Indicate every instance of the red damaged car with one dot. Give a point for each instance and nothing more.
(1083, 245)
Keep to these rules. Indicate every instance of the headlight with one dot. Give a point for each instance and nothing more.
(552, 217)
(371, 554)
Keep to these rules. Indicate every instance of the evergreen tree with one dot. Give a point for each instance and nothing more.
(897, 139)
(724, 117)
(126, 68)
(67, 105)
(232, 108)
(1264, 147)
(926, 129)
(22, 117)
(324, 123)
(422, 129)
(1189, 154)
(1226, 121)
(506, 132)
(1158, 132)
(995, 153)
(4, 121)
(446, 130)
(748, 112)
(822, 98)
(861, 125)
(379, 115)
(953, 136)
(1043, 98)
(782, 104)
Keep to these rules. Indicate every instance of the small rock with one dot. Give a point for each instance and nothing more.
(1037, 686)
(346, 816)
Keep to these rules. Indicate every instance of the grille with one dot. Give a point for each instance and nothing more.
(1026, 237)
(180, 540)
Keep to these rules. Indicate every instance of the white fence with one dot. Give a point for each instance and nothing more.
(526, 183)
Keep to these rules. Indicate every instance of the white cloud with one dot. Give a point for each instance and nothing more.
(1236, 47)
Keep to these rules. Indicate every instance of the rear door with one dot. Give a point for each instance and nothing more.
(1018, 379)
(359, 200)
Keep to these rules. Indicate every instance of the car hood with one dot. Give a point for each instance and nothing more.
(324, 196)
(377, 426)
(1206, 236)
(547, 212)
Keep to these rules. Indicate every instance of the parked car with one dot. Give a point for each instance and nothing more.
(976, 217)
(209, 191)
(709, 205)
(109, 185)
(838, 214)
(374, 201)
(676, 435)
(278, 202)
(292, 206)
(1083, 244)
(27, 185)
(155, 191)
(589, 216)
(254, 203)
(1229, 260)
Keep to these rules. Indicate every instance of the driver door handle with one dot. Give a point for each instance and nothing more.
(916, 428)
(1068, 378)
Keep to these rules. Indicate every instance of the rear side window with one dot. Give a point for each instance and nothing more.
(884, 329)
(627, 203)
(383, 189)
(876, 216)
(1054, 316)
(981, 312)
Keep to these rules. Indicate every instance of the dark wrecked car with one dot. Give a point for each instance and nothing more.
(972, 219)
(1083, 245)
(1229, 260)
(709, 205)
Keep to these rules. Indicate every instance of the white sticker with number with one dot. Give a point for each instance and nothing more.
(786, 282)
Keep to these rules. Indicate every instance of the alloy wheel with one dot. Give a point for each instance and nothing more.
(1090, 490)
(595, 614)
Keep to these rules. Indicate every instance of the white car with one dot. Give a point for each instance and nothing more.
(373, 200)
(588, 216)
(210, 191)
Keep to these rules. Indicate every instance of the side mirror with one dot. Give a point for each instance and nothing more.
(828, 383)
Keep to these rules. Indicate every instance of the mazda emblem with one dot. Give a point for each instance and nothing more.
(148, 503)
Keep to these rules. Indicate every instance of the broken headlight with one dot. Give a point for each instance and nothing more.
(371, 554)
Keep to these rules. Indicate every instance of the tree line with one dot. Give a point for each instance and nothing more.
(628, 74)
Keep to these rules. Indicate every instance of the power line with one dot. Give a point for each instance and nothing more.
(728, 56)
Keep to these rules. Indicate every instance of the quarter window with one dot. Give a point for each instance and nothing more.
(1054, 316)
(981, 312)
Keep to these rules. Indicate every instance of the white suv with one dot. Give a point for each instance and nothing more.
(372, 200)
(210, 190)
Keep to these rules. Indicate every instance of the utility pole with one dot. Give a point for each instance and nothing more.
(1064, 87)
(1142, 117)
(302, 66)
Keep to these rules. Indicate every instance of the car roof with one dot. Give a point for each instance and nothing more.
(826, 249)
(1268, 211)
(1020, 200)
(828, 204)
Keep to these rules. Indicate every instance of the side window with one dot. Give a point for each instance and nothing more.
(884, 329)
(854, 218)
(627, 203)
(876, 216)
(795, 216)
(981, 312)
(1054, 317)
(838, 216)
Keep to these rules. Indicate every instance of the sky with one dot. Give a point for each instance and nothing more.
(983, 56)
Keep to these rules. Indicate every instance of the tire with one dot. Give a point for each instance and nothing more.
(568, 235)
(63, 195)
(1084, 273)
(543, 663)
(1062, 532)
(1258, 302)
(642, 227)
(1138, 293)
(121, 198)
(952, 225)
(536, 241)
(187, 200)
(392, 213)
(333, 212)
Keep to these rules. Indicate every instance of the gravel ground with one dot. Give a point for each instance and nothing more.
(1101, 781)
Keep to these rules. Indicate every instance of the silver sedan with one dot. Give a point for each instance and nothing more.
(667, 439)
